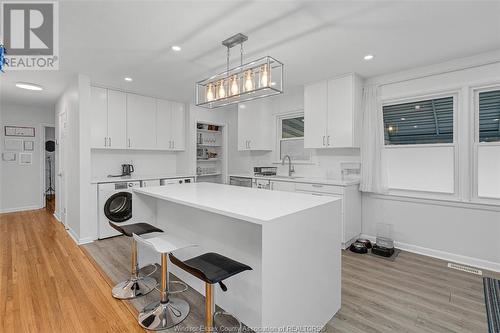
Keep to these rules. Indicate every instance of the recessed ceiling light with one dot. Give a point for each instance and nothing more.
(176, 48)
(128, 79)
(29, 86)
(368, 57)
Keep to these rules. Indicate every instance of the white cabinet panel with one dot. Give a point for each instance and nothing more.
(283, 186)
(178, 126)
(117, 119)
(99, 117)
(255, 124)
(141, 122)
(340, 112)
(163, 124)
(315, 115)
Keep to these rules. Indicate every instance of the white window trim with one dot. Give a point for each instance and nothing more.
(474, 107)
(279, 119)
(455, 196)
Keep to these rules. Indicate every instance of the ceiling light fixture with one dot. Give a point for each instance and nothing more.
(243, 83)
(176, 48)
(128, 79)
(368, 57)
(29, 86)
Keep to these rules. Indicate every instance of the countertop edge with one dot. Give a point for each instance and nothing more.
(104, 180)
(303, 180)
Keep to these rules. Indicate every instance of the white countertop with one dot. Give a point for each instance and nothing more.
(299, 179)
(133, 177)
(249, 204)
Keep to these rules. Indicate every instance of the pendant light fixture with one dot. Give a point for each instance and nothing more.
(256, 79)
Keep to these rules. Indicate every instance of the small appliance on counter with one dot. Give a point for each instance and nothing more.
(127, 170)
(265, 171)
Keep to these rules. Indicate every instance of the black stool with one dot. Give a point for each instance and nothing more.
(134, 286)
(212, 268)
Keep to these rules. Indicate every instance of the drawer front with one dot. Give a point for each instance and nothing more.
(320, 188)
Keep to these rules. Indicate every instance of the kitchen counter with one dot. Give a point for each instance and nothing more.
(283, 236)
(252, 205)
(102, 180)
(298, 179)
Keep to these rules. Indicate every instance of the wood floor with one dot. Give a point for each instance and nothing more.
(48, 284)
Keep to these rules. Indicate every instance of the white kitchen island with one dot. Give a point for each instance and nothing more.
(291, 240)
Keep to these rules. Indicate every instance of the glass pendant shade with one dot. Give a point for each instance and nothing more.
(257, 79)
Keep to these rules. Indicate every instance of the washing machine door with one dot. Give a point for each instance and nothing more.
(118, 207)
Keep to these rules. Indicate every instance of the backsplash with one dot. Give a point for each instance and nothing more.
(106, 162)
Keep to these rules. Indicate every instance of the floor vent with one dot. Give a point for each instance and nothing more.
(465, 269)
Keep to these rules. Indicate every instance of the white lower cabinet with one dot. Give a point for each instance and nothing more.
(351, 204)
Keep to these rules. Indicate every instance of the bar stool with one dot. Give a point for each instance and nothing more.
(135, 285)
(169, 311)
(212, 268)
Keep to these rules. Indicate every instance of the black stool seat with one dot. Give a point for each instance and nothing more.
(211, 267)
(135, 228)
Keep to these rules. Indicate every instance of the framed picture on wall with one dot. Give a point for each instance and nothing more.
(19, 131)
(25, 158)
(29, 145)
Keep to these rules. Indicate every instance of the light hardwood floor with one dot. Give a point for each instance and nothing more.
(48, 285)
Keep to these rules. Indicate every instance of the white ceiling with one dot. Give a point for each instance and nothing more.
(108, 40)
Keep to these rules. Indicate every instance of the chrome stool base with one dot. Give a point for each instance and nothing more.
(133, 288)
(159, 316)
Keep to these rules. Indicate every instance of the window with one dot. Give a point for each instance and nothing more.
(420, 122)
(489, 116)
(291, 138)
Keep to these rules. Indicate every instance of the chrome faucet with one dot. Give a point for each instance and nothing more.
(291, 169)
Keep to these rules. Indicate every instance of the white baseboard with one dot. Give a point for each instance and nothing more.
(19, 209)
(78, 240)
(447, 256)
(57, 217)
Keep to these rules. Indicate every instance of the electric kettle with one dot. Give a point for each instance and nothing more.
(127, 169)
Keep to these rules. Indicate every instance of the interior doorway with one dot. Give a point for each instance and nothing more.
(49, 146)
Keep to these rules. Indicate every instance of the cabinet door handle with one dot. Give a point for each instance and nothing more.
(129, 142)
(109, 141)
(328, 140)
(249, 143)
(323, 140)
(105, 142)
(317, 185)
(173, 144)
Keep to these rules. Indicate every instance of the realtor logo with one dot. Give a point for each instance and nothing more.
(30, 35)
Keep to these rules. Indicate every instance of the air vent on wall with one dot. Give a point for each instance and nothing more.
(465, 269)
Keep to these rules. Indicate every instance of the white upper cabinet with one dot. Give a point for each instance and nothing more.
(315, 115)
(332, 111)
(117, 119)
(255, 123)
(121, 120)
(99, 117)
(141, 122)
(178, 128)
(170, 125)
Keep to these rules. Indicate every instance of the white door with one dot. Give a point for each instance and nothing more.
(62, 162)
(98, 117)
(163, 124)
(117, 119)
(340, 112)
(178, 126)
(315, 115)
(141, 122)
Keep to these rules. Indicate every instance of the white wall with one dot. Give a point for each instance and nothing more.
(458, 229)
(22, 185)
(108, 162)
